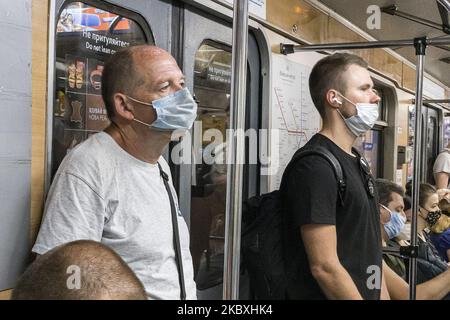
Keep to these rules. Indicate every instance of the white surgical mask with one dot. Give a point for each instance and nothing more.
(405, 233)
(176, 111)
(364, 120)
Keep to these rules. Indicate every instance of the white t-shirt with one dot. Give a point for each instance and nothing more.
(442, 163)
(102, 193)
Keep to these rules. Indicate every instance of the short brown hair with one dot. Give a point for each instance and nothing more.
(327, 74)
(385, 189)
(103, 275)
(120, 74)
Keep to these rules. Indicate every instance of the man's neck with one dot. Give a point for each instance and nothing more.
(148, 150)
(340, 135)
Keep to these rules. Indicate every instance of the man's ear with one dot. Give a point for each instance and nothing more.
(122, 107)
(333, 99)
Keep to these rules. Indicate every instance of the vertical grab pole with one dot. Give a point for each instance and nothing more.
(236, 152)
(420, 44)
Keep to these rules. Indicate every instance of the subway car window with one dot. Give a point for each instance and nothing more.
(432, 144)
(411, 118)
(370, 145)
(446, 129)
(85, 37)
(212, 86)
(382, 109)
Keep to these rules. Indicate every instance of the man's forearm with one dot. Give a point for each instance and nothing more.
(336, 283)
(434, 289)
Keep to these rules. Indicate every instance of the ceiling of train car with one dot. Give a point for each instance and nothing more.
(396, 28)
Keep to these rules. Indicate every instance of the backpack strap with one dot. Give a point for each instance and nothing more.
(331, 159)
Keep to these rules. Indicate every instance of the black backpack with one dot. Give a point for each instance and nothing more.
(262, 249)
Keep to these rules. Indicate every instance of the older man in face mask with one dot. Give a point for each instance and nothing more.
(116, 188)
(393, 224)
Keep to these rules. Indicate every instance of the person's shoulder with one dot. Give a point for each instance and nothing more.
(445, 235)
(315, 161)
(91, 154)
(443, 155)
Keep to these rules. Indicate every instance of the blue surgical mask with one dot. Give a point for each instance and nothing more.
(173, 112)
(395, 225)
(364, 120)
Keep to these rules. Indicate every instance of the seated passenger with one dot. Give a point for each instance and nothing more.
(79, 270)
(439, 226)
(430, 263)
(428, 211)
(443, 194)
(391, 204)
(444, 205)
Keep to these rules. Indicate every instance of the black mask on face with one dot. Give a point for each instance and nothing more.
(433, 217)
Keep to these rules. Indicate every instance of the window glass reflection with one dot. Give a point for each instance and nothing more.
(212, 86)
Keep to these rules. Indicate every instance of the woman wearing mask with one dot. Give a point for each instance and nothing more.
(395, 269)
(439, 225)
(429, 262)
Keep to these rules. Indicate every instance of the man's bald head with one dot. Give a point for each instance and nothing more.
(79, 270)
(127, 70)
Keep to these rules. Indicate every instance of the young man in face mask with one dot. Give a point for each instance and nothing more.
(391, 206)
(114, 187)
(331, 264)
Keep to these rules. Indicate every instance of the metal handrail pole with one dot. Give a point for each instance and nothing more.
(420, 45)
(236, 151)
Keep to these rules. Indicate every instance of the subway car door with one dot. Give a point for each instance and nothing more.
(203, 183)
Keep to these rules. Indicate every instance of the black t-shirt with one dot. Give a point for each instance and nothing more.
(310, 192)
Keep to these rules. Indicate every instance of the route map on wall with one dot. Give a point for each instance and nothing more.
(292, 112)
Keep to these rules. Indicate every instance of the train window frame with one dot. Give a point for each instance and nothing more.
(382, 122)
(55, 36)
